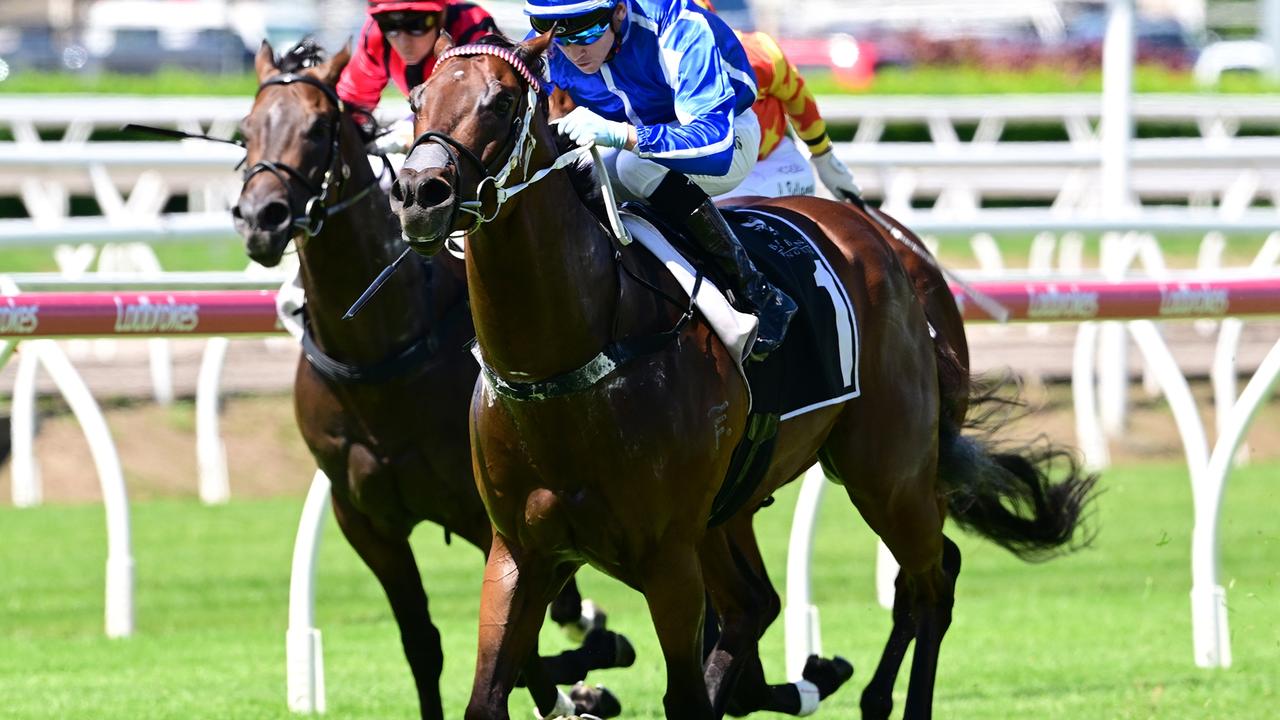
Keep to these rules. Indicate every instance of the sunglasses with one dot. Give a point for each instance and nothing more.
(578, 29)
(393, 24)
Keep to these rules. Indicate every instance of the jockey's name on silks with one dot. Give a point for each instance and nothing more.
(680, 76)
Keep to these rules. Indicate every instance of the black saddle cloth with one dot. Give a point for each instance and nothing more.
(817, 364)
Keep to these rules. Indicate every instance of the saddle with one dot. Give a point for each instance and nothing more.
(817, 364)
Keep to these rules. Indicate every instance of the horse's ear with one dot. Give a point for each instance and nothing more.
(533, 48)
(265, 62)
(560, 104)
(330, 70)
(443, 42)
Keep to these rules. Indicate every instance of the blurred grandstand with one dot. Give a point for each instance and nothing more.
(849, 37)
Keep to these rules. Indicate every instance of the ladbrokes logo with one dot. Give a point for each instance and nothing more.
(1062, 304)
(15, 320)
(1192, 301)
(147, 317)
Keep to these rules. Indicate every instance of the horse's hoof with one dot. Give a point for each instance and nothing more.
(594, 702)
(615, 647)
(592, 617)
(827, 675)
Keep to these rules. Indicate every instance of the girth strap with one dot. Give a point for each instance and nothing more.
(613, 356)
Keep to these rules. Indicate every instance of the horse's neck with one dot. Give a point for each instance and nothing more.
(542, 283)
(339, 263)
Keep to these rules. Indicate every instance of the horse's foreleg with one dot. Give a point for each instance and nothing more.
(674, 590)
(392, 562)
(599, 648)
(517, 587)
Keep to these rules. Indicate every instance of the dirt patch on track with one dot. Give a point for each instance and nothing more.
(265, 454)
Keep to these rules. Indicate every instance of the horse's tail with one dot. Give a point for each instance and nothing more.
(1006, 493)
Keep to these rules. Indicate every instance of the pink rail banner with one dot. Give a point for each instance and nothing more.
(1073, 301)
(142, 314)
(253, 312)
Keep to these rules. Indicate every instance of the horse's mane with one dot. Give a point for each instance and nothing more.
(307, 53)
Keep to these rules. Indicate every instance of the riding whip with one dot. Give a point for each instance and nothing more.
(376, 284)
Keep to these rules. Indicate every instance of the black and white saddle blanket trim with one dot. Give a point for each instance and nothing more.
(817, 364)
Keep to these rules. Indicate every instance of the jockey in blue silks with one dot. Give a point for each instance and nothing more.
(669, 85)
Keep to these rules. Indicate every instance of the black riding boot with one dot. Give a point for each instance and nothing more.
(685, 205)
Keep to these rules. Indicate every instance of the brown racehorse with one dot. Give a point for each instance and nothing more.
(589, 450)
(381, 400)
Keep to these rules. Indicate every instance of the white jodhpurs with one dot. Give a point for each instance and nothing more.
(785, 172)
(635, 178)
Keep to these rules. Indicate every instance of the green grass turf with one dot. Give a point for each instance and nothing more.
(1180, 250)
(1101, 634)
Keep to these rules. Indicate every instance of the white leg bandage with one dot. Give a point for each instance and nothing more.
(809, 697)
(563, 708)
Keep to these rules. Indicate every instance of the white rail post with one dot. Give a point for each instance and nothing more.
(1208, 598)
(24, 473)
(115, 500)
(1084, 395)
(211, 452)
(27, 490)
(803, 634)
(304, 656)
(1117, 131)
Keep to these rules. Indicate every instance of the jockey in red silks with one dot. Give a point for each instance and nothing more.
(397, 45)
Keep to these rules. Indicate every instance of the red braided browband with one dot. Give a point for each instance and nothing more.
(506, 54)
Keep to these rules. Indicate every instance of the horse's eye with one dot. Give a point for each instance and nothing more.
(319, 130)
(502, 104)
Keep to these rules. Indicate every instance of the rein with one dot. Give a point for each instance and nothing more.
(521, 141)
(311, 223)
(617, 353)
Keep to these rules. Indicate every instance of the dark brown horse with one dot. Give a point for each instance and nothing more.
(589, 448)
(381, 400)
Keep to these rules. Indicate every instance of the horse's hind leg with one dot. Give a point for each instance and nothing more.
(392, 562)
(901, 503)
(747, 603)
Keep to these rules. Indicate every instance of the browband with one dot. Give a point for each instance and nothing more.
(506, 54)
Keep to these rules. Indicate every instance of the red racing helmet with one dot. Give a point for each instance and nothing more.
(422, 6)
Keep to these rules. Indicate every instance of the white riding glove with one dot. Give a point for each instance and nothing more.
(584, 127)
(397, 139)
(835, 175)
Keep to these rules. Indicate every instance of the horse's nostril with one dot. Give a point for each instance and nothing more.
(433, 192)
(273, 215)
(397, 192)
(235, 213)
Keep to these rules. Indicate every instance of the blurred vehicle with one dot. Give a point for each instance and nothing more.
(143, 36)
(850, 62)
(1248, 56)
(1160, 40)
(1007, 38)
(38, 48)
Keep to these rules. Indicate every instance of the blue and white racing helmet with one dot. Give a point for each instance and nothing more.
(564, 8)
(576, 22)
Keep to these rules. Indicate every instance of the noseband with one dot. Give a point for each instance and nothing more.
(316, 210)
(520, 140)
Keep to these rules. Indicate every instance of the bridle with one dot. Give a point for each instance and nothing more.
(316, 209)
(520, 140)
